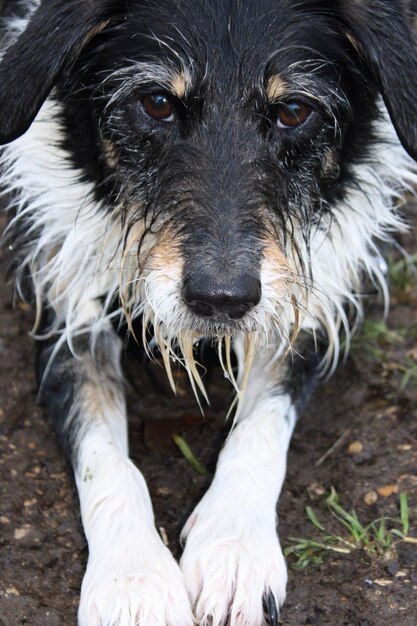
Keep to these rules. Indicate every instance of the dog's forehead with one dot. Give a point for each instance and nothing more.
(232, 39)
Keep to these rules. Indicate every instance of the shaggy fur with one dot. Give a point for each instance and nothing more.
(217, 171)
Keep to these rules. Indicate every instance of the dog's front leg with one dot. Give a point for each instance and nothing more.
(131, 578)
(233, 564)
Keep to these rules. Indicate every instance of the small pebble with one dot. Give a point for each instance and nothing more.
(19, 533)
(387, 490)
(403, 477)
(29, 503)
(356, 447)
(382, 582)
(12, 591)
(315, 489)
(370, 498)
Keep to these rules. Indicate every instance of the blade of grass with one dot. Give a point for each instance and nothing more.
(313, 518)
(404, 513)
(189, 455)
(305, 544)
(349, 521)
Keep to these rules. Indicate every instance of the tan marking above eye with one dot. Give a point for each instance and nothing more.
(180, 84)
(275, 88)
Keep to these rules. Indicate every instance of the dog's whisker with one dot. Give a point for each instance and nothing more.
(186, 346)
(229, 368)
(166, 350)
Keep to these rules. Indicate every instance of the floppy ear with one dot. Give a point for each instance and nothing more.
(55, 35)
(380, 31)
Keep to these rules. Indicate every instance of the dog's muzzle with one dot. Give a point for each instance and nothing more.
(221, 300)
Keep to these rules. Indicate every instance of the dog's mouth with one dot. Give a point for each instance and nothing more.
(237, 311)
(181, 349)
(177, 331)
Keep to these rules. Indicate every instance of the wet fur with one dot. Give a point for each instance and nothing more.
(112, 214)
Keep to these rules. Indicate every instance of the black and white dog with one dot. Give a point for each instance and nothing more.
(223, 170)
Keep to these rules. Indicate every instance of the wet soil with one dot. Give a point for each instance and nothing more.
(42, 547)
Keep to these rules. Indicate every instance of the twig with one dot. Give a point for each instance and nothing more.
(334, 447)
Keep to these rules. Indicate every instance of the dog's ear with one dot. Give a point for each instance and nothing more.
(51, 42)
(381, 32)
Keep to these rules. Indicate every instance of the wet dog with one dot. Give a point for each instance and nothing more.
(224, 171)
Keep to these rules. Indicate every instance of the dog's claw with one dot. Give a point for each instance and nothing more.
(270, 609)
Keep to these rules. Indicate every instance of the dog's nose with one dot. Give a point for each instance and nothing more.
(207, 297)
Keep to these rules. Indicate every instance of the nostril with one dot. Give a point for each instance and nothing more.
(195, 299)
(201, 308)
(236, 312)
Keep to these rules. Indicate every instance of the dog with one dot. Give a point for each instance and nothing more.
(213, 170)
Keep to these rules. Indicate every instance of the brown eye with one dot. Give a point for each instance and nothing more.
(159, 107)
(292, 114)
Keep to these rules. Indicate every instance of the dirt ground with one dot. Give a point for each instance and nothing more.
(358, 435)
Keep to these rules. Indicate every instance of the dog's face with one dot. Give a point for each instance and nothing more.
(233, 126)
(221, 134)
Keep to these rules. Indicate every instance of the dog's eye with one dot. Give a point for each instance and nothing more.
(159, 107)
(292, 114)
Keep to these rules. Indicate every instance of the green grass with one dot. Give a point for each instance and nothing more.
(381, 343)
(376, 339)
(409, 369)
(189, 455)
(377, 538)
(403, 274)
(375, 336)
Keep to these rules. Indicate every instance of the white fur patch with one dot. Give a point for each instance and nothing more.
(232, 555)
(348, 249)
(131, 578)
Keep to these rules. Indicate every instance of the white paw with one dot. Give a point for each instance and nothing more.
(233, 568)
(134, 584)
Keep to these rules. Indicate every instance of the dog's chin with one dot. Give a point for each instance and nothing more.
(217, 327)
